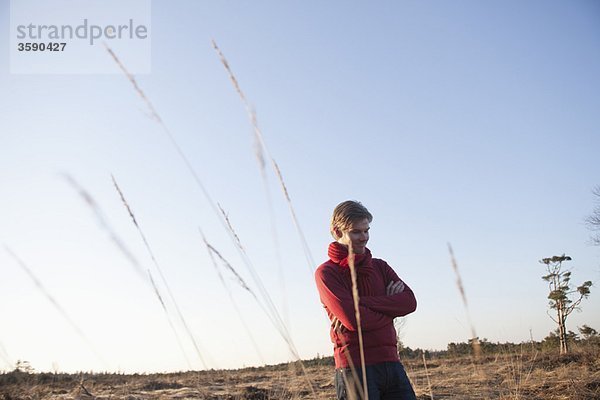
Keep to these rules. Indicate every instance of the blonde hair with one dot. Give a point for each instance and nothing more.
(346, 213)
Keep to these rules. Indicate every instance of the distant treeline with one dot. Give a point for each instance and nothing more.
(589, 337)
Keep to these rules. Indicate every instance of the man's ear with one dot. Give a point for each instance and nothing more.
(337, 232)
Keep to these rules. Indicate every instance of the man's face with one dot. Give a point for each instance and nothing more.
(357, 236)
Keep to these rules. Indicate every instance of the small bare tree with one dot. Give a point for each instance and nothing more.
(593, 220)
(562, 297)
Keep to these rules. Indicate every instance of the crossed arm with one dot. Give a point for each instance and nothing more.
(398, 301)
(375, 311)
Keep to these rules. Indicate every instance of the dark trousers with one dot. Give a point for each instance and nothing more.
(385, 381)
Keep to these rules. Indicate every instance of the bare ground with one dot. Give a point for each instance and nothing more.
(505, 376)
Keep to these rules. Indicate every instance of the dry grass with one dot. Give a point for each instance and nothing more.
(549, 376)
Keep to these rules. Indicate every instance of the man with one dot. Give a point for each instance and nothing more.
(383, 297)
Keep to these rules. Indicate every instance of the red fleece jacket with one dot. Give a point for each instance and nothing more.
(377, 313)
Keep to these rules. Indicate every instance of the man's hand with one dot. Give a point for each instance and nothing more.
(336, 324)
(394, 288)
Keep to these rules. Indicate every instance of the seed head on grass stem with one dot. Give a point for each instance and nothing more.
(262, 150)
(164, 281)
(268, 308)
(91, 203)
(475, 340)
(120, 244)
(212, 252)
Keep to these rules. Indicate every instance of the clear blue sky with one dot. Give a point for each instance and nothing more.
(474, 123)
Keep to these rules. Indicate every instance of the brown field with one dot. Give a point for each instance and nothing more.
(505, 376)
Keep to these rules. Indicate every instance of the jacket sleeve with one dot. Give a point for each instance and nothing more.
(338, 300)
(397, 305)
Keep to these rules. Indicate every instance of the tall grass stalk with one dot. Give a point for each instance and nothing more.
(475, 341)
(154, 114)
(358, 381)
(519, 372)
(427, 375)
(267, 302)
(170, 321)
(261, 151)
(224, 223)
(307, 253)
(55, 303)
(241, 251)
(164, 281)
(91, 203)
(89, 200)
(356, 299)
(270, 310)
(212, 252)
